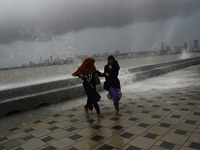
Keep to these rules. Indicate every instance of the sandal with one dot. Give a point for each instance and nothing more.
(119, 113)
(86, 110)
(100, 115)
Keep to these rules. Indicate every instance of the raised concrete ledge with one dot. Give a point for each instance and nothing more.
(157, 71)
(37, 88)
(26, 98)
(28, 102)
(42, 87)
(152, 66)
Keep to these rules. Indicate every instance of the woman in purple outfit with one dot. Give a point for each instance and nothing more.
(112, 83)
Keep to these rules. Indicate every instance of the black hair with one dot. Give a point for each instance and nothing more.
(111, 58)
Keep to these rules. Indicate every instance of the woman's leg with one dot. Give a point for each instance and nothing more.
(86, 106)
(119, 94)
(115, 97)
(96, 106)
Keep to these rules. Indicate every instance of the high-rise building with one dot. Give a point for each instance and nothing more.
(196, 44)
(162, 46)
(185, 46)
(167, 48)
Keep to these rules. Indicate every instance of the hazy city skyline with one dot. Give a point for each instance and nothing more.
(185, 49)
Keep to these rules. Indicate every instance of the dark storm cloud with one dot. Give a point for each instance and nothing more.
(41, 20)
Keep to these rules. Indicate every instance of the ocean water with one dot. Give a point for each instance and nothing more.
(29, 76)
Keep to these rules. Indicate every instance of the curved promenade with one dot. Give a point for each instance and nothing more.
(30, 97)
(163, 117)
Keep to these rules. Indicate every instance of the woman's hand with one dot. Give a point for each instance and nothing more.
(107, 75)
(110, 66)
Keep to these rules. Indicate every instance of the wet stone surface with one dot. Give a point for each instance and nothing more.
(163, 118)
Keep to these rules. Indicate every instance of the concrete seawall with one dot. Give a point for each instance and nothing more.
(30, 97)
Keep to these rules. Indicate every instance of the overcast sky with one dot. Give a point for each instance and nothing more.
(62, 28)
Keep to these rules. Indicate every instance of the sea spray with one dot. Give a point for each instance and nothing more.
(33, 82)
(184, 55)
(29, 76)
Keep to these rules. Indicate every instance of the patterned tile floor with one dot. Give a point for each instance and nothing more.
(156, 120)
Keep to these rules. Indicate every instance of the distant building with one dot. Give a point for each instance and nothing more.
(162, 46)
(196, 44)
(191, 48)
(188, 47)
(154, 53)
(185, 46)
(167, 48)
(165, 52)
(116, 52)
(177, 49)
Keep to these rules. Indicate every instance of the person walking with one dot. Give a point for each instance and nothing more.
(88, 73)
(112, 83)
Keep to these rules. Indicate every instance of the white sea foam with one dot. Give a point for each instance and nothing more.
(184, 55)
(30, 76)
(34, 82)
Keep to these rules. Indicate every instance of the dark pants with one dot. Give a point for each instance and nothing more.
(90, 106)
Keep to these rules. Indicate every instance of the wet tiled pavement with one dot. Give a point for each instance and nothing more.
(155, 120)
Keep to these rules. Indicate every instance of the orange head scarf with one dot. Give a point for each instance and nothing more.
(87, 67)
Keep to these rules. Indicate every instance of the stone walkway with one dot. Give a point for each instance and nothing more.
(152, 119)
